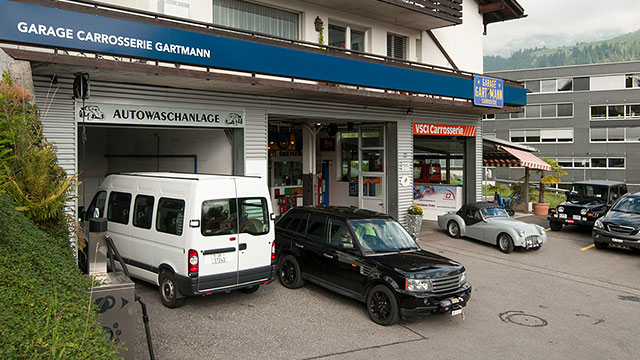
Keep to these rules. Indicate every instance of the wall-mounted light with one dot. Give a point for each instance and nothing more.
(409, 111)
(318, 23)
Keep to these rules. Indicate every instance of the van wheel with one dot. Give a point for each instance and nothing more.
(505, 243)
(250, 289)
(169, 293)
(382, 305)
(289, 273)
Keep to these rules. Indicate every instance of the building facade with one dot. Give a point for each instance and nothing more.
(321, 99)
(585, 116)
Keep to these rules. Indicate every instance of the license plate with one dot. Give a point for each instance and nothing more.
(456, 312)
(562, 216)
(218, 258)
(576, 217)
(569, 221)
(617, 240)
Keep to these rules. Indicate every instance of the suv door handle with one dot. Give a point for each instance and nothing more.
(242, 247)
(330, 256)
(298, 245)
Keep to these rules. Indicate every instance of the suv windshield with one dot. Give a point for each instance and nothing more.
(628, 205)
(589, 191)
(493, 212)
(382, 236)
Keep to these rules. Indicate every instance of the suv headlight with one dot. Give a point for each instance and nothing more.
(418, 285)
(583, 212)
(598, 224)
(560, 208)
(463, 278)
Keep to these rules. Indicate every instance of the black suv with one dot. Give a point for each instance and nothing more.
(367, 256)
(586, 202)
(621, 226)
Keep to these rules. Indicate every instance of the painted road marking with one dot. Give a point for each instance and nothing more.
(547, 229)
(587, 247)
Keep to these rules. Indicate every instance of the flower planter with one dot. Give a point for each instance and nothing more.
(541, 208)
(414, 225)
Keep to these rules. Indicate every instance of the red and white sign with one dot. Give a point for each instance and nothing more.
(444, 130)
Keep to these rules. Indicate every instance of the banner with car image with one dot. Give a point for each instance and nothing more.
(437, 199)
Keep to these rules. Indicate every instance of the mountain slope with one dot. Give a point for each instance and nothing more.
(622, 48)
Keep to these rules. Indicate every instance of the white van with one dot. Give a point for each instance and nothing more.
(190, 234)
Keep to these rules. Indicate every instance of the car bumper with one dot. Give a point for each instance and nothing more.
(189, 286)
(583, 221)
(605, 237)
(413, 305)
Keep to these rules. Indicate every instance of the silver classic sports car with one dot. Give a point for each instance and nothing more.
(490, 223)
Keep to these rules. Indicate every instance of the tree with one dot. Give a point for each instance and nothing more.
(553, 178)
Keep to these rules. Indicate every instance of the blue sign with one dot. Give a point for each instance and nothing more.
(488, 91)
(50, 27)
(353, 189)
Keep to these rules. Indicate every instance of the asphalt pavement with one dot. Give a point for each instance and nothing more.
(565, 301)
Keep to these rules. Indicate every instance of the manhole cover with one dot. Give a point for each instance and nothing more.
(522, 319)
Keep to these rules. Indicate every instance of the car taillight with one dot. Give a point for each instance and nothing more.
(193, 261)
(273, 250)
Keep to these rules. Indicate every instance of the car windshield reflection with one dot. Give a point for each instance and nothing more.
(382, 236)
(628, 205)
(493, 213)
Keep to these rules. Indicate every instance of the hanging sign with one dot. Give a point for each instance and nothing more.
(106, 111)
(488, 91)
(444, 130)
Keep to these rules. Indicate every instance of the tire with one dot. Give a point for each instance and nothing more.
(511, 212)
(600, 245)
(555, 226)
(289, 273)
(505, 243)
(169, 293)
(453, 229)
(382, 305)
(251, 289)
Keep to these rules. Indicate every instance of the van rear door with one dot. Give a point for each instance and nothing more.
(256, 232)
(217, 242)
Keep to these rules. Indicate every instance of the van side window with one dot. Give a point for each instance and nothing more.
(170, 216)
(118, 208)
(96, 208)
(254, 217)
(143, 211)
(219, 217)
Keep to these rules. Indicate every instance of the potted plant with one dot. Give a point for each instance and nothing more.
(542, 207)
(414, 220)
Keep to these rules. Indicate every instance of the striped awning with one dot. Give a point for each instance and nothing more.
(526, 159)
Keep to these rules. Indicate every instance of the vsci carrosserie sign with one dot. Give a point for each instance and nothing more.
(100, 111)
(444, 130)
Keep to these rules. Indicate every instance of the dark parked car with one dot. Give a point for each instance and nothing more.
(586, 202)
(621, 225)
(367, 256)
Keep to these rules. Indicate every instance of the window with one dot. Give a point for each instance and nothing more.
(118, 208)
(532, 111)
(632, 111)
(598, 112)
(357, 40)
(581, 163)
(615, 134)
(532, 86)
(315, 230)
(96, 208)
(541, 135)
(502, 116)
(548, 110)
(339, 233)
(632, 81)
(598, 135)
(516, 136)
(548, 85)
(517, 115)
(254, 216)
(565, 163)
(298, 222)
(581, 84)
(337, 36)
(373, 160)
(532, 136)
(372, 186)
(349, 156)
(249, 16)
(489, 117)
(608, 82)
(565, 84)
(176, 8)
(599, 163)
(219, 217)
(616, 111)
(143, 211)
(616, 162)
(170, 216)
(627, 111)
(396, 46)
(632, 134)
(565, 110)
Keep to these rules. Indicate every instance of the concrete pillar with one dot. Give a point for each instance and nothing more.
(20, 72)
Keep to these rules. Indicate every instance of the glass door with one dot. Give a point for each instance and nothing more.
(372, 179)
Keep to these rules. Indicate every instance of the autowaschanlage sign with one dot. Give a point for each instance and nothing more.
(488, 91)
(98, 111)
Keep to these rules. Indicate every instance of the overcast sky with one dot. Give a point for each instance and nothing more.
(555, 23)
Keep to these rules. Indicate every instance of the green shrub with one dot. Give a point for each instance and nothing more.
(44, 304)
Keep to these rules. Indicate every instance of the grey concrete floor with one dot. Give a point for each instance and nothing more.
(565, 301)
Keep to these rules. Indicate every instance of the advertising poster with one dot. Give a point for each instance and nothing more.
(437, 199)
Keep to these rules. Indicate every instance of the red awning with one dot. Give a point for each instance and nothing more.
(527, 159)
